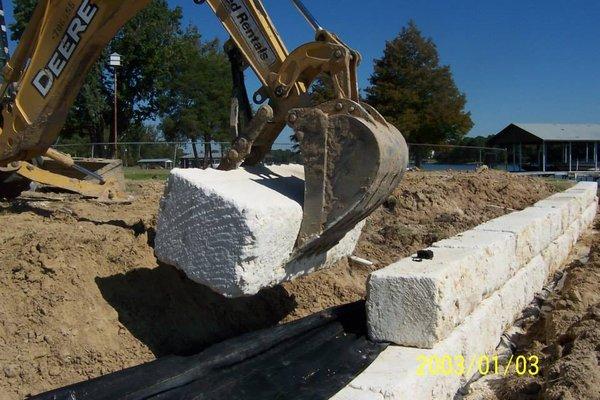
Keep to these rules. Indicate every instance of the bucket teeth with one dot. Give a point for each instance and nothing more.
(353, 160)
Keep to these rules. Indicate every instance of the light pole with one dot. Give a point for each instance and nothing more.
(115, 62)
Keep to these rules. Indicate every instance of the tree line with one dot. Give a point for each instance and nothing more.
(180, 84)
(170, 74)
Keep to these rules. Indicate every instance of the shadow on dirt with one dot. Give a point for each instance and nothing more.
(173, 315)
(138, 227)
(20, 207)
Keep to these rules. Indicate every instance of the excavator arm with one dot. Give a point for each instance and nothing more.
(353, 158)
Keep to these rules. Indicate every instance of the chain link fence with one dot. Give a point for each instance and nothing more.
(167, 155)
(150, 155)
(439, 157)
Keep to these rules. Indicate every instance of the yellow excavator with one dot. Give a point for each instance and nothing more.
(353, 158)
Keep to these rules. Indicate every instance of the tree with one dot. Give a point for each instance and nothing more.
(197, 101)
(279, 156)
(150, 45)
(321, 90)
(91, 110)
(414, 92)
(22, 11)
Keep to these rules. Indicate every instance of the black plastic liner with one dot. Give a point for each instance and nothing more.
(312, 358)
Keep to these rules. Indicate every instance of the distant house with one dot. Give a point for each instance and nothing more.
(550, 147)
(156, 163)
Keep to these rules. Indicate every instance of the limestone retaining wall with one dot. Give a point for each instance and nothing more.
(460, 302)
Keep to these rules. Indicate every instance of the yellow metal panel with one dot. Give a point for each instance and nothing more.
(64, 41)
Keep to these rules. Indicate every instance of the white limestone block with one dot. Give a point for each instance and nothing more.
(534, 228)
(350, 393)
(496, 248)
(394, 374)
(572, 202)
(569, 207)
(234, 231)
(557, 252)
(583, 194)
(587, 190)
(419, 303)
(585, 221)
(588, 216)
(520, 290)
(543, 237)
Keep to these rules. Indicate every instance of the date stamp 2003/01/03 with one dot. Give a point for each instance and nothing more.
(457, 365)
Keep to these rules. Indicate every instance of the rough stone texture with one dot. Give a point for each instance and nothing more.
(235, 231)
(568, 206)
(559, 249)
(590, 213)
(533, 227)
(394, 374)
(419, 303)
(495, 250)
(589, 190)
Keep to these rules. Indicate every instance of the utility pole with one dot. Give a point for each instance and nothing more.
(115, 62)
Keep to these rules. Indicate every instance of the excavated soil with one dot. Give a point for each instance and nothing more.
(82, 295)
(566, 339)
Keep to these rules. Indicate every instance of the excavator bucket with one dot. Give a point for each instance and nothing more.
(353, 160)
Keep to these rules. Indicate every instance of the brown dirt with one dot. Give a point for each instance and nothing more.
(82, 295)
(566, 339)
(427, 207)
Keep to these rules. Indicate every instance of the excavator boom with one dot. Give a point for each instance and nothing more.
(352, 157)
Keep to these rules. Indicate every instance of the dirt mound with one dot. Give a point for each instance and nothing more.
(426, 207)
(82, 295)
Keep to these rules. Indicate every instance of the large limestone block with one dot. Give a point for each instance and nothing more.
(235, 231)
(573, 203)
(497, 249)
(582, 223)
(394, 374)
(419, 302)
(587, 190)
(582, 194)
(588, 216)
(534, 228)
(543, 237)
(569, 207)
(557, 251)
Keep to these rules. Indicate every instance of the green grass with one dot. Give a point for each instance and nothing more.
(138, 174)
(560, 185)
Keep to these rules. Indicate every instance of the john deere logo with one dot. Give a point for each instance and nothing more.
(44, 79)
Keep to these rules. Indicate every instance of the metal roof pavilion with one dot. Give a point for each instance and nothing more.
(563, 132)
(537, 133)
(578, 144)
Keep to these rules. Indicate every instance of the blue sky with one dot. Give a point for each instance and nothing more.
(517, 61)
